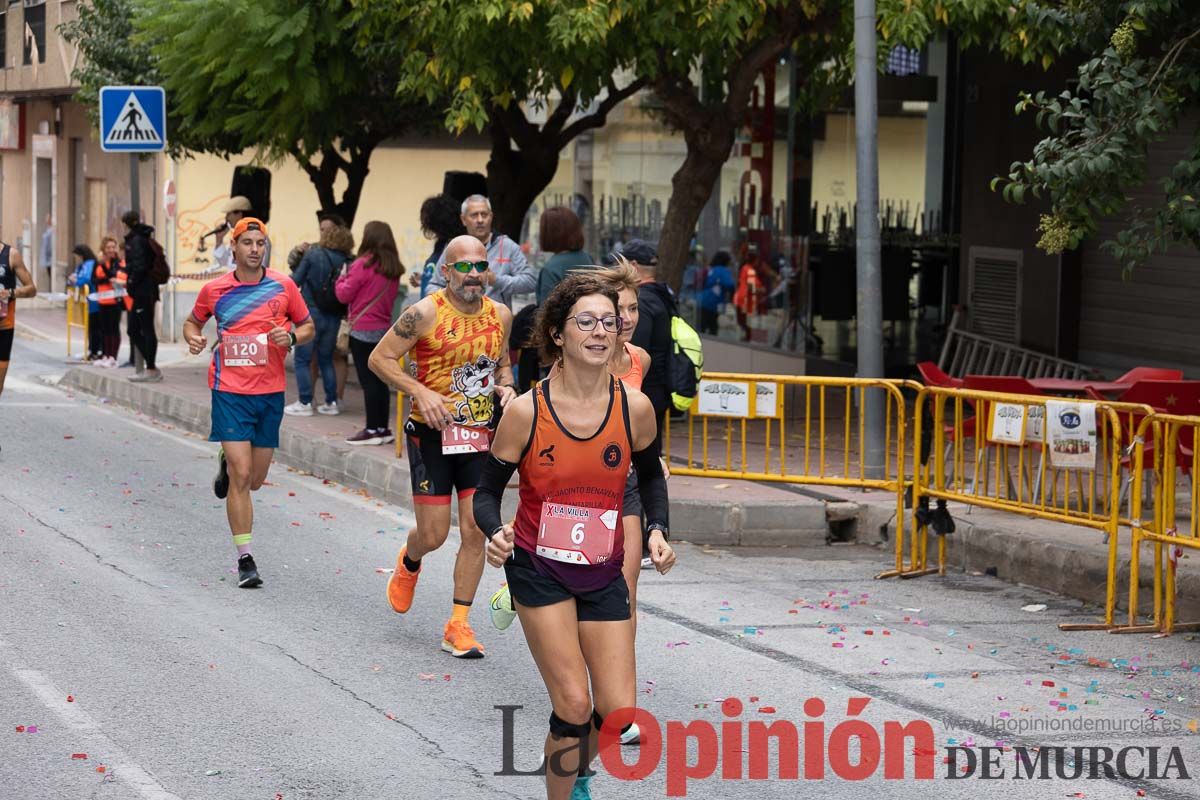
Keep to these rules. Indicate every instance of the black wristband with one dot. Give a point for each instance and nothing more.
(293, 335)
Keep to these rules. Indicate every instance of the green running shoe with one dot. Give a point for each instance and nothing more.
(502, 609)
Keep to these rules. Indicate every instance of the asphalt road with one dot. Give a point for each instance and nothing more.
(123, 638)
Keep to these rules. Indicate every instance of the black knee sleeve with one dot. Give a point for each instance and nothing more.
(560, 728)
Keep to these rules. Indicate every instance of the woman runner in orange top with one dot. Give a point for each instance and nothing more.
(573, 439)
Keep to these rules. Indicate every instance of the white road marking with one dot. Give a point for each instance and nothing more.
(75, 718)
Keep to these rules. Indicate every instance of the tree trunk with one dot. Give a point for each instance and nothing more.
(324, 176)
(708, 149)
(515, 179)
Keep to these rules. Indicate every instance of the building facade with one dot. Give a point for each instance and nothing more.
(57, 187)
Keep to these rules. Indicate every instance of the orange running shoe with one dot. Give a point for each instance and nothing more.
(459, 640)
(401, 585)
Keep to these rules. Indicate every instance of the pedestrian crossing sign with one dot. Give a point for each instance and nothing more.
(133, 119)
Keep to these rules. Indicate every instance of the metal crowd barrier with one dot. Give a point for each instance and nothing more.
(999, 451)
(1164, 443)
(77, 317)
(792, 429)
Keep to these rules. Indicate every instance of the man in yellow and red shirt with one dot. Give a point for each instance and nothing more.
(254, 308)
(457, 341)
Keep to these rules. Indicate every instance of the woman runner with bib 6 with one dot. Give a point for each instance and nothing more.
(572, 439)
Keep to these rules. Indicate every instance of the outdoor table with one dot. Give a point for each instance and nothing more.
(1073, 387)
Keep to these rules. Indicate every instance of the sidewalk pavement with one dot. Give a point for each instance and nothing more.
(1062, 558)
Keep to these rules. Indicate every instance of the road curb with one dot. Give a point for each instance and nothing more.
(1063, 567)
(800, 522)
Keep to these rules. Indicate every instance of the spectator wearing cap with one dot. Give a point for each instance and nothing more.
(235, 209)
(656, 306)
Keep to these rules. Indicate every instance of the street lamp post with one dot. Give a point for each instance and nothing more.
(866, 229)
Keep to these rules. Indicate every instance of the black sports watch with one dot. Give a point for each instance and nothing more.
(293, 335)
(658, 526)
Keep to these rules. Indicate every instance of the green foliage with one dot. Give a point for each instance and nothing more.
(111, 55)
(495, 53)
(1140, 76)
(281, 76)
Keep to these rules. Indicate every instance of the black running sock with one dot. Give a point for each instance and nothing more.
(411, 566)
(458, 602)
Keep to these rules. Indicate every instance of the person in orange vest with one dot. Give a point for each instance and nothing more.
(108, 280)
(750, 297)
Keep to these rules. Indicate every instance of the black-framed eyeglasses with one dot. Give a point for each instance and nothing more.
(587, 322)
(465, 267)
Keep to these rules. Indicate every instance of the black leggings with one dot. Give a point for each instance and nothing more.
(110, 329)
(141, 331)
(377, 395)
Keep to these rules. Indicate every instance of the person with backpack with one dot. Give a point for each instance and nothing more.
(656, 306)
(147, 269)
(317, 275)
(83, 278)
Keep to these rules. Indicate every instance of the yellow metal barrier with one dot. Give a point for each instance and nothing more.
(805, 430)
(963, 447)
(77, 316)
(1171, 440)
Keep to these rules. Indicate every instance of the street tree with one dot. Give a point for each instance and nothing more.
(1139, 80)
(533, 75)
(279, 77)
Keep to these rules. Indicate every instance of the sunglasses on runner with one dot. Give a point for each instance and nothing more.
(586, 322)
(465, 266)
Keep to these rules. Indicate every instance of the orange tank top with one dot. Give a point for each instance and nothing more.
(633, 377)
(458, 359)
(559, 467)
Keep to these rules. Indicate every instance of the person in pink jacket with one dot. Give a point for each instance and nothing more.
(369, 288)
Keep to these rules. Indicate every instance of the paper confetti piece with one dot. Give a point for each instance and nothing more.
(1034, 607)
(79, 756)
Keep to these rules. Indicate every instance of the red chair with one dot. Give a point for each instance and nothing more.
(1167, 397)
(1150, 374)
(932, 374)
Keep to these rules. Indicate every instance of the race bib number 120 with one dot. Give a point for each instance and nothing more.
(576, 535)
(244, 351)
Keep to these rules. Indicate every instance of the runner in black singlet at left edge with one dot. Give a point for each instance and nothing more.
(15, 282)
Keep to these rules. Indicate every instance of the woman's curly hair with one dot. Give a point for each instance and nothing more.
(552, 316)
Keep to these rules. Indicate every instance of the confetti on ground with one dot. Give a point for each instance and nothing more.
(212, 772)
(673, 645)
(79, 756)
(1034, 607)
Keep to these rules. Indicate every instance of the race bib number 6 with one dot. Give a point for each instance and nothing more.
(458, 439)
(244, 351)
(576, 535)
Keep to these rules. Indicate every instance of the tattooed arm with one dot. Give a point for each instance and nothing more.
(387, 360)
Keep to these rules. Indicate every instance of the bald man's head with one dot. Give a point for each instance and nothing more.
(464, 269)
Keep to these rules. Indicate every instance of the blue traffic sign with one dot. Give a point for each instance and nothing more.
(133, 119)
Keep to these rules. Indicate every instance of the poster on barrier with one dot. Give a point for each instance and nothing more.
(1035, 423)
(1006, 425)
(723, 398)
(1071, 434)
(768, 402)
